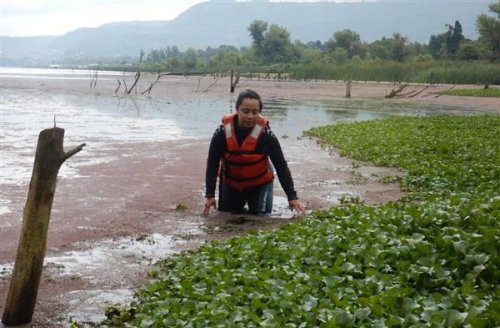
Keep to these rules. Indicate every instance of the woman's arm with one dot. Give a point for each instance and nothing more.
(272, 147)
(215, 153)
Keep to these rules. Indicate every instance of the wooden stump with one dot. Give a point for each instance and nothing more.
(348, 89)
(231, 87)
(23, 288)
(234, 81)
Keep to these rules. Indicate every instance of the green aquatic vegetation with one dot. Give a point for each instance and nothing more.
(350, 199)
(180, 207)
(428, 260)
(440, 153)
(398, 264)
(484, 92)
(389, 179)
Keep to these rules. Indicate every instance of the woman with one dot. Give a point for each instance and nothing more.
(241, 148)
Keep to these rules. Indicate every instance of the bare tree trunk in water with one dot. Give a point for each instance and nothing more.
(234, 81)
(348, 89)
(23, 288)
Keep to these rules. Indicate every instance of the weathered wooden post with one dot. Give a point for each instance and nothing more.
(234, 81)
(23, 288)
(231, 89)
(348, 89)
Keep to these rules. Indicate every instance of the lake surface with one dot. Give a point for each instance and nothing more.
(103, 119)
(141, 151)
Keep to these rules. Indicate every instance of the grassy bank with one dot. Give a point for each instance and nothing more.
(429, 260)
(449, 72)
(484, 92)
(415, 72)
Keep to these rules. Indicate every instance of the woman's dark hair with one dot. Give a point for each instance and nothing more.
(248, 93)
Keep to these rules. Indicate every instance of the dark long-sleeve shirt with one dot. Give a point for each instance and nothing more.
(267, 144)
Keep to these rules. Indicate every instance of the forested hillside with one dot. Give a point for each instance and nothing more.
(212, 24)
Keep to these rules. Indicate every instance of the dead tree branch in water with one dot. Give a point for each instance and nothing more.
(418, 92)
(134, 85)
(198, 86)
(93, 79)
(439, 94)
(119, 85)
(125, 85)
(148, 90)
(211, 86)
(395, 92)
(412, 93)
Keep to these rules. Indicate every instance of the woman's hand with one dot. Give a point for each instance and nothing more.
(297, 205)
(209, 203)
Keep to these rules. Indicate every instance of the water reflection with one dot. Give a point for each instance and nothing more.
(292, 117)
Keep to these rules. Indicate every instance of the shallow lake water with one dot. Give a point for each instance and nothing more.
(115, 126)
(105, 119)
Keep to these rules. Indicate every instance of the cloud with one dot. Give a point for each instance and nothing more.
(56, 17)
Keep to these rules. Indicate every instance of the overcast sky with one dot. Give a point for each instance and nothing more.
(57, 17)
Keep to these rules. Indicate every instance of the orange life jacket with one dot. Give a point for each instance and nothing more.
(242, 166)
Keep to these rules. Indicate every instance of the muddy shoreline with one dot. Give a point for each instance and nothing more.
(116, 218)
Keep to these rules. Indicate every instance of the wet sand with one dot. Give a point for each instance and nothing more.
(153, 190)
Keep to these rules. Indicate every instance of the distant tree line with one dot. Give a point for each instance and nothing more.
(345, 56)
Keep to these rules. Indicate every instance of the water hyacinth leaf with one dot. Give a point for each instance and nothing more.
(455, 318)
(342, 318)
(309, 302)
(362, 314)
(237, 316)
(477, 258)
(410, 304)
(460, 246)
(347, 267)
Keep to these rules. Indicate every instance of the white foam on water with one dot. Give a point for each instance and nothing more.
(6, 269)
(95, 265)
(88, 264)
(281, 208)
(109, 254)
(87, 306)
(4, 206)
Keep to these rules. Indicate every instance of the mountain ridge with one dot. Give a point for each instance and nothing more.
(215, 23)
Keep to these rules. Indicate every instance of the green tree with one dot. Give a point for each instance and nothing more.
(380, 49)
(342, 39)
(468, 50)
(436, 43)
(453, 38)
(310, 56)
(277, 46)
(224, 57)
(257, 29)
(347, 40)
(340, 56)
(190, 58)
(314, 45)
(357, 49)
(174, 63)
(398, 45)
(173, 51)
(447, 43)
(489, 31)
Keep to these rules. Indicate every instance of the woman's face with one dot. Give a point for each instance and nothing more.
(248, 112)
